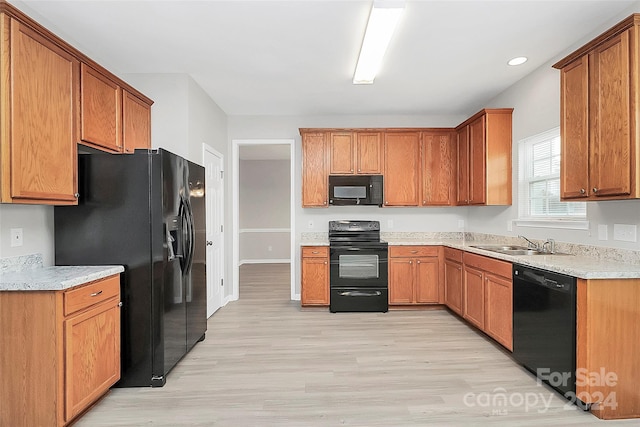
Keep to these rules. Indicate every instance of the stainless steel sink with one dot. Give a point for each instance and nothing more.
(514, 250)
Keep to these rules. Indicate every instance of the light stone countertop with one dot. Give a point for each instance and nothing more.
(581, 266)
(55, 278)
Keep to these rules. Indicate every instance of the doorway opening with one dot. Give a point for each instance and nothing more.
(263, 222)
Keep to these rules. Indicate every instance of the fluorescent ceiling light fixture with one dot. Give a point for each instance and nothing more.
(383, 19)
(518, 60)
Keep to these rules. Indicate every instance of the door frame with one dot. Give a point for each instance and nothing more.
(235, 158)
(206, 147)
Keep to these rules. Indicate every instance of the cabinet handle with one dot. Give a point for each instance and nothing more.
(582, 191)
(595, 189)
(76, 195)
(95, 294)
(315, 252)
(325, 263)
(414, 252)
(359, 170)
(410, 262)
(418, 262)
(350, 170)
(324, 203)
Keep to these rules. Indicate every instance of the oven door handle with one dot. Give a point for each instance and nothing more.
(360, 293)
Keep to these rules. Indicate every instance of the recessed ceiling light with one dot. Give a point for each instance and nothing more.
(518, 60)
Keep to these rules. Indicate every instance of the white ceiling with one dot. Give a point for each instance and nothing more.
(297, 57)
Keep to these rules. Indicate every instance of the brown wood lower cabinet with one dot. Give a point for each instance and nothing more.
(488, 297)
(453, 279)
(413, 275)
(608, 345)
(314, 287)
(60, 352)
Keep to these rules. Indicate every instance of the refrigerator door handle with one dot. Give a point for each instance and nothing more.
(190, 234)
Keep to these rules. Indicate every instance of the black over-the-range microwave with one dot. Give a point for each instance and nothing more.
(355, 190)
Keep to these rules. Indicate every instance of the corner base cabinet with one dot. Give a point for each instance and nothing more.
(61, 352)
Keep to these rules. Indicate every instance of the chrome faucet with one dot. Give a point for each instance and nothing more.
(530, 244)
(552, 246)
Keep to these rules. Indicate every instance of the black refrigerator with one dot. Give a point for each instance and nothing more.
(145, 211)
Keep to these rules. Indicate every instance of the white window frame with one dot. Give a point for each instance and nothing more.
(524, 217)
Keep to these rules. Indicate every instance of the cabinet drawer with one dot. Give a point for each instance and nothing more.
(315, 251)
(85, 296)
(453, 254)
(490, 265)
(412, 251)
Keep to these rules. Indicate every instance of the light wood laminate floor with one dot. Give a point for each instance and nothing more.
(266, 362)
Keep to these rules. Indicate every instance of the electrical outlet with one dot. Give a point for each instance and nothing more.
(509, 225)
(389, 223)
(603, 232)
(16, 237)
(625, 232)
(269, 248)
(310, 224)
(461, 224)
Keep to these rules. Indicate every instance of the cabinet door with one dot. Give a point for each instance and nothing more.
(474, 296)
(315, 186)
(101, 114)
(499, 309)
(477, 162)
(315, 282)
(402, 168)
(437, 168)
(341, 151)
(453, 286)
(39, 113)
(611, 139)
(92, 356)
(369, 153)
(426, 284)
(462, 151)
(574, 107)
(401, 274)
(136, 123)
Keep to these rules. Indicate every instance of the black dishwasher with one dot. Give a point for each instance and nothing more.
(544, 326)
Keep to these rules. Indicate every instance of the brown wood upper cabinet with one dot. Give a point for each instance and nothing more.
(39, 110)
(438, 158)
(112, 118)
(51, 98)
(484, 158)
(315, 184)
(401, 168)
(355, 153)
(599, 107)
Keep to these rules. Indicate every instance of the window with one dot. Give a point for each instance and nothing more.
(539, 181)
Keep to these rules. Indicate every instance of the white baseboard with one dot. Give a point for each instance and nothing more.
(265, 261)
(296, 297)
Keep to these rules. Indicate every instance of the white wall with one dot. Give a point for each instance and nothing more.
(37, 230)
(536, 103)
